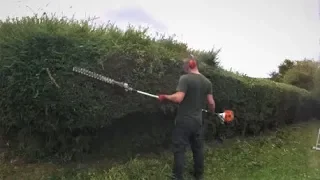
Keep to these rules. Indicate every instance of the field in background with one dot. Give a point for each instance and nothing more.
(282, 155)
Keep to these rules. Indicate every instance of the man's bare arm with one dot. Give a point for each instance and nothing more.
(176, 97)
(211, 103)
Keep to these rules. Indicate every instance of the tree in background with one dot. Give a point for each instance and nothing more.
(302, 74)
(316, 89)
(282, 69)
(298, 73)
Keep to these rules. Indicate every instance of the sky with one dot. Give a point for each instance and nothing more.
(255, 36)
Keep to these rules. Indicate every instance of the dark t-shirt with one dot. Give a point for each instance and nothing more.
(196, 88)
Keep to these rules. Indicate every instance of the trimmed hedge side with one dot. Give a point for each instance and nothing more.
(49, 110)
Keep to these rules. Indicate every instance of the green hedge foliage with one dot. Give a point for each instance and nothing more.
(49, 110)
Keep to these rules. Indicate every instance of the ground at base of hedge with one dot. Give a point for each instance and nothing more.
(283, 155)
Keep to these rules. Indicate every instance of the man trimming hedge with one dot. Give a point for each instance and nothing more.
(193, 90)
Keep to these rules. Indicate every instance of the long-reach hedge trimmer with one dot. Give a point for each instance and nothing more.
(226, 116)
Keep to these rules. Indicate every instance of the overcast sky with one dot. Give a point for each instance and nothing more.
(255, 35)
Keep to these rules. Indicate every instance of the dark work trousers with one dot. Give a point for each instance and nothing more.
(184, 135)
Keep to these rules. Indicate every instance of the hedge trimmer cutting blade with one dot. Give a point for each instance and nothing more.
(110, 81)
(226, 116)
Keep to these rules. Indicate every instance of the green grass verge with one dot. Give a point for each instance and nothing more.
(282, 155)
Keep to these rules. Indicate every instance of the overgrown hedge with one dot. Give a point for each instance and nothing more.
(49, 110)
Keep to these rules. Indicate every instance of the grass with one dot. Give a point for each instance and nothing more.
(282, 155)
